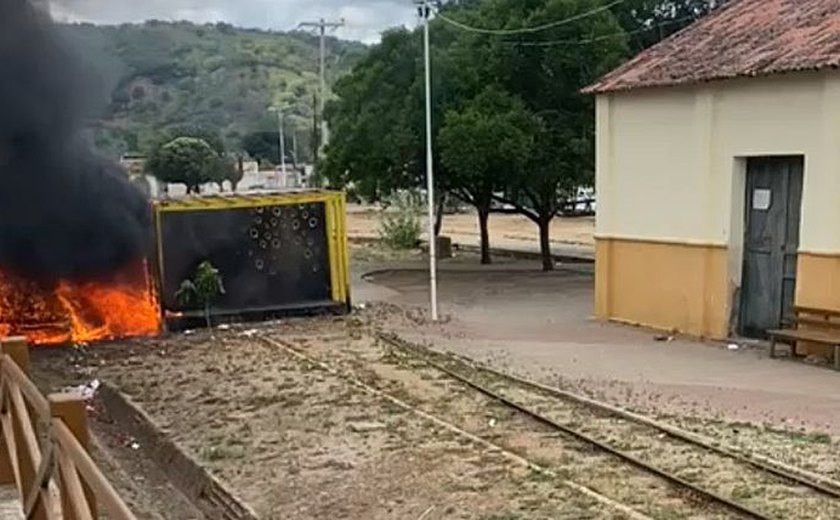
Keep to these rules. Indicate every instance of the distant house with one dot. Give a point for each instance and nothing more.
(718, 172)
(134, 164)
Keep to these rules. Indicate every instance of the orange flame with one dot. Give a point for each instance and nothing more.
(71, 312)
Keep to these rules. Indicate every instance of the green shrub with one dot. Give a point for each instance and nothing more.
(400, 226)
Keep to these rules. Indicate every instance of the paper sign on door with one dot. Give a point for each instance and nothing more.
(762, 199)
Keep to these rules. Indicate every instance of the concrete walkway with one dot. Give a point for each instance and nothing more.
(539, 325)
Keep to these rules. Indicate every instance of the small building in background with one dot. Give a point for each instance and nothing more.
(134, 164)
(718, 172)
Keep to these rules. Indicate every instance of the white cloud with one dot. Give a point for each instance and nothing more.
(365, 19)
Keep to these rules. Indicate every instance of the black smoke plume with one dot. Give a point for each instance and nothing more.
(65, 212)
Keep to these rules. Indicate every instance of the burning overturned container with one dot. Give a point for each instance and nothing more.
(120, 305)
(276, 253)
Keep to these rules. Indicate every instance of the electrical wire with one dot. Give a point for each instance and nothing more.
(550, 43)
(528, 30)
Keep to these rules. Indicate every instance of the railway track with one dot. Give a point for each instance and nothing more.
(579, 417)
(665, 453)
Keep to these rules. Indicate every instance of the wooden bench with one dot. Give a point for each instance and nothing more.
(812, 325)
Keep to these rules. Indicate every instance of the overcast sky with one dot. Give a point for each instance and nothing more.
(365, 19)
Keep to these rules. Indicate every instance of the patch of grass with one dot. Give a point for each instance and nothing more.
(745, 492)
(538, 476)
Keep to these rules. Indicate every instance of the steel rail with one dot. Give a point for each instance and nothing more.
(814, 481)
(584, 490)
(692, 489)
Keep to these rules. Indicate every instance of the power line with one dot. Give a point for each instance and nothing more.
(527, 30)
(596, 39)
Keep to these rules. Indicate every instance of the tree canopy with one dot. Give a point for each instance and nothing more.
(187, 160)
(527, 84)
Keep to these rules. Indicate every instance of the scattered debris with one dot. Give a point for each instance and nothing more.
(135, 446)
(492, 422)
(663, 338)
(364, 427)
(224, 326)
(733, 346)
(250, 333)
(189, 332)
(86, 391)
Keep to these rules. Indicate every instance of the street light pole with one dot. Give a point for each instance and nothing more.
(282, 138)
(425, 12)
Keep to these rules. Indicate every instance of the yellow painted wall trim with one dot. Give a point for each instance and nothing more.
(663, 285)
(824, 254)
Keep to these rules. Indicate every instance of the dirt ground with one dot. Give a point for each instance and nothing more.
(506, 231)
(296, 442)
(540, 325)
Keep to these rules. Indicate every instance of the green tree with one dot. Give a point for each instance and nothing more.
(202, 291)
(185, 160)
(378, 121)
(547, 73)
(483, 144)
(647, 22)
(263, 146)
(375, 142)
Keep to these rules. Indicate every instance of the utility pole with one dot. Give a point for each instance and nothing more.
(295, 167)
(321, 27)
(424, 9)
(282, 141)
(294, 147)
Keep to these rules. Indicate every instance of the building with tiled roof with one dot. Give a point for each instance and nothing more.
(718, 172)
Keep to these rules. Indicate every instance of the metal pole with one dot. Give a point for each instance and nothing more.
(282, 147)
(325, 138)
(294, 146)
(430, 182)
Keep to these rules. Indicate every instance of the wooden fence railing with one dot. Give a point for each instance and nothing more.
(44, 448)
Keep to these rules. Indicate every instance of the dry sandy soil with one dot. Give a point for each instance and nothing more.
(297, 442)
(505, 230)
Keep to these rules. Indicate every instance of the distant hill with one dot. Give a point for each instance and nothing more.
(161, 75)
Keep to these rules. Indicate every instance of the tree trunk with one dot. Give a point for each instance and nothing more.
(545, 244)
(207, 316)
(441, 202)
(483, 222)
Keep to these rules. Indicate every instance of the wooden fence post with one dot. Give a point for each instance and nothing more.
(17, 348)
(71, 410)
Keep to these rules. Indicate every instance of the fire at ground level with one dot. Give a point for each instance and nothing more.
(122, 305)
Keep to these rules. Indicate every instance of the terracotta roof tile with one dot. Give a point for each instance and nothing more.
(744, 38)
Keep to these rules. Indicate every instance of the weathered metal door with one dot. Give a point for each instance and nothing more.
(771, 242)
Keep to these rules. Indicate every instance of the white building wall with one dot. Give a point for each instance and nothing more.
(671, 160)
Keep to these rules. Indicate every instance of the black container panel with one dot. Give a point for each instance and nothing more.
(268, 257)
